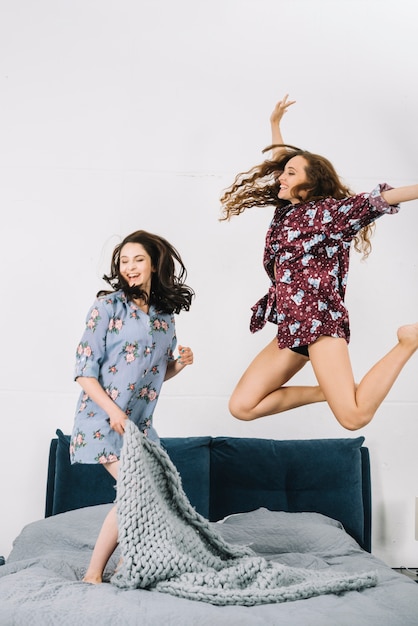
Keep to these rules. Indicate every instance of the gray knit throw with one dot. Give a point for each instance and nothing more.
(167, 546)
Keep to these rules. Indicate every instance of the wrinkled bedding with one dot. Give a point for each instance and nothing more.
(41, 580)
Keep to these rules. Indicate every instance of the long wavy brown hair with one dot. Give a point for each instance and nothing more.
(169, 293)
(260, 186)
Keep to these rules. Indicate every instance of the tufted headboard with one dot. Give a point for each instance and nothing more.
(226, 475)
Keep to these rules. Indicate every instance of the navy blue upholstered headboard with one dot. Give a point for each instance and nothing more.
(226, 475)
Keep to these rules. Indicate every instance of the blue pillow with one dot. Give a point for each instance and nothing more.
(79, 485)
(75, 486)
(191, 456)
(291, 476)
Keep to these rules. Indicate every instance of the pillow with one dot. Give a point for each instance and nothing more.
(79, 485)
(316, 475)
(276, 532)
(191, 456)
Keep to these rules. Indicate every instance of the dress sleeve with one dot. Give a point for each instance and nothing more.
(354, 213)
(91, 349)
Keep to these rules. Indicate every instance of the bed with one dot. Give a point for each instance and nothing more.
(299, 505)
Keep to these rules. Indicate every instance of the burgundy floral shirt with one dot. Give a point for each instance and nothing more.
(306, 257)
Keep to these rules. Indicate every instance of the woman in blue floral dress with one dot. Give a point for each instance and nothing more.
(306, 258)
(123, 358)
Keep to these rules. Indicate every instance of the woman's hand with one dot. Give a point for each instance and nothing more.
(280, 109)
(95, 391)
(117, 421)
(275, 119)
(184, 358)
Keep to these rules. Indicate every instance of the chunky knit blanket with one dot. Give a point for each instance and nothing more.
(167, 546)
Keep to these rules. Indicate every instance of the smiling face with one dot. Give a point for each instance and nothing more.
(135, 266)
(294, 173)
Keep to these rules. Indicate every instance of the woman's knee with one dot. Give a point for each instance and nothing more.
(354, 420)
(238, 409)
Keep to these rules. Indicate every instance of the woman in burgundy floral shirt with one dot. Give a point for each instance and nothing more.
(306, 257)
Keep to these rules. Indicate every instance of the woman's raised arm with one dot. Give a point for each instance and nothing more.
(275, 119)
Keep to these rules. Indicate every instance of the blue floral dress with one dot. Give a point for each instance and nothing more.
(127, 350)
(306, 257)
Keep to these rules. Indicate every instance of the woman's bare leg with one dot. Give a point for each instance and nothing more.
(355, 406)
(260, 390)
(106, 541)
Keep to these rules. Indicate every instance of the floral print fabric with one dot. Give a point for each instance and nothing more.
(306, 257)
(127, 351)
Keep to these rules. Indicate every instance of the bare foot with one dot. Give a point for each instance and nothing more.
(408, 336)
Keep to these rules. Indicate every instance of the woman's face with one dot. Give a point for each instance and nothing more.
(293, 174)
(135, 266)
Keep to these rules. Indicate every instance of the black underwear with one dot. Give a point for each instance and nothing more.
(301, 350)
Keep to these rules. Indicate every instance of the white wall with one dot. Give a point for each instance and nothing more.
(136, 114)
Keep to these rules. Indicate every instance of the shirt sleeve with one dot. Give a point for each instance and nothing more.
(354, 213)
(91, 349)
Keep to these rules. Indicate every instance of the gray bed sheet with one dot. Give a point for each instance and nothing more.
(40, 584)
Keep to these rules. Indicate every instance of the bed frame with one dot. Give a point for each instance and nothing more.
(226, 475)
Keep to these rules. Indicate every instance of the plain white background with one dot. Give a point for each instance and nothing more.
(126, 114)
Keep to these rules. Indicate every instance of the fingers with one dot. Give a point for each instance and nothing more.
(185, 356)
(285, 103)
(281, 108)
(119, 426)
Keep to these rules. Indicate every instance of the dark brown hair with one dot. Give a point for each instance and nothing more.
(169, 293)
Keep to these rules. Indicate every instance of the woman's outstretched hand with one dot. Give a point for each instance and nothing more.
(275, 119)
(280, 109)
